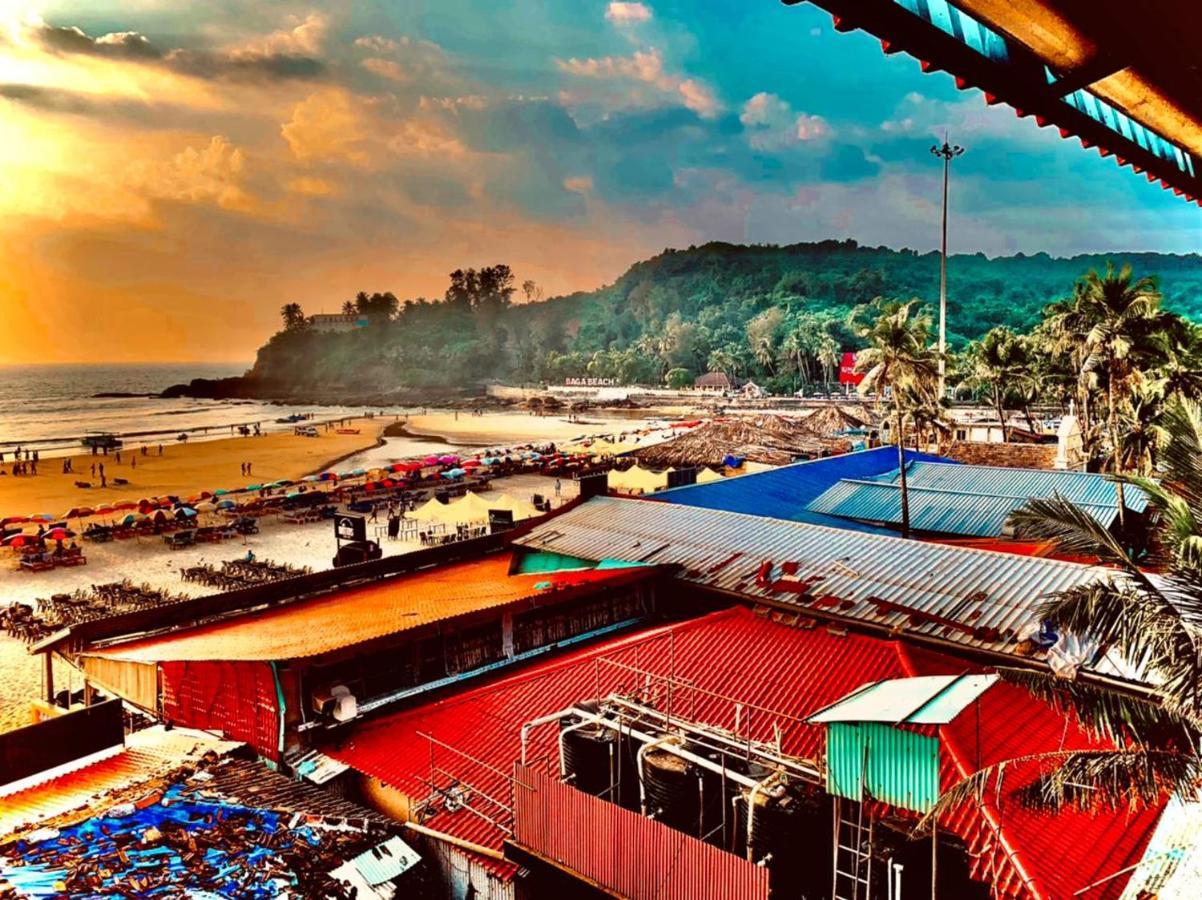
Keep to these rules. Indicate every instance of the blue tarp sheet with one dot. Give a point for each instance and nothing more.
(785, 492)
(231, 869)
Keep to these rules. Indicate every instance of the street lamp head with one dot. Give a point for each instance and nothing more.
(947, 151)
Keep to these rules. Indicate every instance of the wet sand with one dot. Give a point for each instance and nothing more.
(183, 469)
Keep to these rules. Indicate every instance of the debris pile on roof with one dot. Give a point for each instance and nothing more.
(226, 827)
(1010, 455)
(772, 439)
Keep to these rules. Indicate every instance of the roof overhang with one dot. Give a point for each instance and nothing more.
(1125, 81)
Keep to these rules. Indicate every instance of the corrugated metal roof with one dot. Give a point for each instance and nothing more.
(359, 614)
(923, 700)
(975, 597)
(785, 492)
(969, 500)
(769, 664)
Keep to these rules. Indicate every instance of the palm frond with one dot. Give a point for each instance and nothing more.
(1121, 718)
(1072, 529)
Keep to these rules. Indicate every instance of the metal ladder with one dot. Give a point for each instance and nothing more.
(853, 843)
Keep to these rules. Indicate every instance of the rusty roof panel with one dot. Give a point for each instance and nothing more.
(978, 598)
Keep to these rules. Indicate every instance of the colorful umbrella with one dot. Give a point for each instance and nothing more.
(20, 540)
(311, 478)
(134, 517)
(42, 517)
(125, 504)
(221, 492)
(13, 520)
(59, 534)
(103, 509)
(185, 512)
(78, 512)
(226, 504)
(253, 487)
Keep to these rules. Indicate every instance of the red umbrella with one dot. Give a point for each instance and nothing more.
(58, 534)
(20, 540)
(13, 520)
(125, 504)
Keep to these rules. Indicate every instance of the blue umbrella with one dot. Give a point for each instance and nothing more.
(226, 504)
(185, 512)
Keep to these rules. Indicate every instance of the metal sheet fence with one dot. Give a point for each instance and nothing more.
(621, 850)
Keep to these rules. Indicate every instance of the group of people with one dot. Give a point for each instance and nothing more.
(396, 511)
(25, 462)
(246, 467)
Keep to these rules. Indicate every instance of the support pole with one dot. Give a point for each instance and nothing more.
(49, 676)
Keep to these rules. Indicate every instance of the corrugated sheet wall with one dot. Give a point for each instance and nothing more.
(624, 852)
(236, 698)
(135, 682)
(872, 759)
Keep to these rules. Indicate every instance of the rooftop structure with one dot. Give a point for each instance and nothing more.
(275, 676)
(753, 678)
(785, 492)
(935, 593)
(974, 501)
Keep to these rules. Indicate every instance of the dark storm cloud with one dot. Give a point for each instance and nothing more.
(119, 45)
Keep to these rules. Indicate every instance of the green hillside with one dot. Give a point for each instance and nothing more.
(776, 314)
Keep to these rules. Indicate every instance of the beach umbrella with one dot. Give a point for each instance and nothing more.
(42, 517)
(78, 512)
(431, 460)
(253, 487)
(371, 486)
(472, 464)
(134, 517)
(125, 504)
(355, 473)
(20, 539)
(13, 520)
(311, 478)
(292, 495)
(104, 509)
(221, 492)
(59, 534)
(226, 504)
(206, 506)
(185, 512)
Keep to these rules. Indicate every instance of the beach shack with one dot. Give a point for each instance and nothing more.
(279, 671)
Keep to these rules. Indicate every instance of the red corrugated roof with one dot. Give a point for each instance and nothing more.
(359, 614)
(764, 663)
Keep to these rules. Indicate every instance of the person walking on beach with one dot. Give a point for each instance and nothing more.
(93, 470)
(558, 489)
(133, 462)
(118, 456)
(160, 449)
(248, 467)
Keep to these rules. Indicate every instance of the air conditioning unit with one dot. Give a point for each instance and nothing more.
(335, 702)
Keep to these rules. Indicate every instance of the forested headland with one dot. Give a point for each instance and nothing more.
(776, 314)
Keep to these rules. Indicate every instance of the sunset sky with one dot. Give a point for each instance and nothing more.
(171, 173)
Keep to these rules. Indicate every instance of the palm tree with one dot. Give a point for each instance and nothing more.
(1152, 621)
(828, 357)
(898, 356)
(998, 361)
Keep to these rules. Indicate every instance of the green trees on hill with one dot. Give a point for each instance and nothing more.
(778, 315)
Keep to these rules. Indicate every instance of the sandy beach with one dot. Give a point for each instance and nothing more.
(182, 470)
(509, 428)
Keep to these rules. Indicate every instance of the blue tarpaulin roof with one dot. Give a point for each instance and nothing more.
(786, 492)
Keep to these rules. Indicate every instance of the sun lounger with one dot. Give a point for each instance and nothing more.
(178, 540)
(71, 559)
(36, 564)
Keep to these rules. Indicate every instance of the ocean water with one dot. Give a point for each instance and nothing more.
(51, 407)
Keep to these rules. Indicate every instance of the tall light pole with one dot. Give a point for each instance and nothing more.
(946, 152)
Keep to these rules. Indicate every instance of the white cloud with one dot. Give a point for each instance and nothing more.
(302, 37)
(646, 67)
(627, 13)
(578, 184)
(772, 124)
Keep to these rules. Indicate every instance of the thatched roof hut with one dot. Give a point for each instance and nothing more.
(833, 420)
(771, 439)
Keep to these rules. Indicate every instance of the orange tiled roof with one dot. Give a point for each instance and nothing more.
(359, 614)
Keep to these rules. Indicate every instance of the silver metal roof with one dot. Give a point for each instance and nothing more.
(975, 597)
(970, 500)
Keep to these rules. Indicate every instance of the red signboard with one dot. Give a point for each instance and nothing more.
(622, 851)
(847, 370)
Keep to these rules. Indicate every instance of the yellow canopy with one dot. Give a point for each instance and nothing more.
(637, 480)
(433, 511)
(470, 508)
(706, 475)
(520, 508)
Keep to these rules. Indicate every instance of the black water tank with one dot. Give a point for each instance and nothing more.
(672, 790)
(588, 755)
(792, 831)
